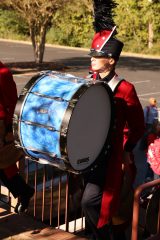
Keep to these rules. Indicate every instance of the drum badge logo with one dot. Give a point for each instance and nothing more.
(42, 110)
(83, 160)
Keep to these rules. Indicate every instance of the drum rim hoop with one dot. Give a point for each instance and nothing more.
(66, 120)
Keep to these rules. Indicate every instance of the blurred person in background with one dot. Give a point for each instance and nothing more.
(10, 175)
(151, 113)
(151, 119)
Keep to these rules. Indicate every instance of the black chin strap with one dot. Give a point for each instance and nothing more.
(109, 76)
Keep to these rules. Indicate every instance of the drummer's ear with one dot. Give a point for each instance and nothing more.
(112, 61)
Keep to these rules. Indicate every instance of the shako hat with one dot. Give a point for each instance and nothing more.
(104, 42)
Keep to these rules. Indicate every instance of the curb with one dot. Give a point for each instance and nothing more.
(126, 54)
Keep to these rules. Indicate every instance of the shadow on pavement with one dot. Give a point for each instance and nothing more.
(131, 63)
(82, 64)
(31, 67)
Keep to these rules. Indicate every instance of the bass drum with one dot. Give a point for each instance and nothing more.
(63, 120)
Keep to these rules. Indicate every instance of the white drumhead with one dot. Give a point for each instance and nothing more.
(88, 127)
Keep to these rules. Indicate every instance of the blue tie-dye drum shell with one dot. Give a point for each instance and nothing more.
(50, 122)
(45, 111)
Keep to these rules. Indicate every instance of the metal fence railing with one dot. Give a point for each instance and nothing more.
(152, 211)
(57, 197)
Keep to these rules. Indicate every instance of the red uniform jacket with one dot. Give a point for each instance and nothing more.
(8, 99)
(129, 122)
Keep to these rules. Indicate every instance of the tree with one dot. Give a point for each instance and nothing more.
(38, 14)
(138, 24)
(127, 22)
(72, 26)
(150, 16)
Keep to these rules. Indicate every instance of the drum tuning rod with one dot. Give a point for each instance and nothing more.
(59, 99)
(39, 125)
(46, 96)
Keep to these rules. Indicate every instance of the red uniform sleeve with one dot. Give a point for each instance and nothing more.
(135, 125)
(8, 95)
(2, 111)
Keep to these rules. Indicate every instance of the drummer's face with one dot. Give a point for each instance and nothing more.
(101, 64)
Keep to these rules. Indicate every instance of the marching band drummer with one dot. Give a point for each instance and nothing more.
(101, 196)
(10, 175)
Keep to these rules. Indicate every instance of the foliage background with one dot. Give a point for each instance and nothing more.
(72, 25)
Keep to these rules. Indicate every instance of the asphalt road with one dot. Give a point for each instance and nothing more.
(143, 72)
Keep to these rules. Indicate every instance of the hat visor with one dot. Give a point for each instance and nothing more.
(94, 53)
